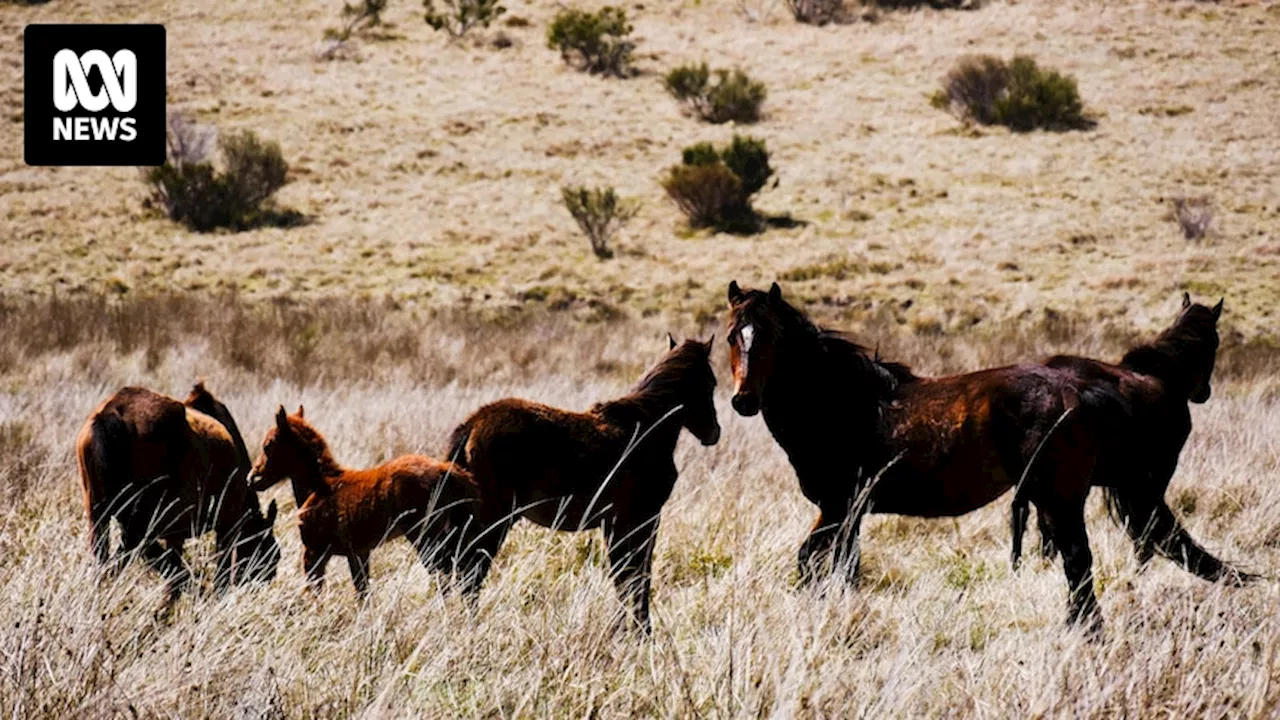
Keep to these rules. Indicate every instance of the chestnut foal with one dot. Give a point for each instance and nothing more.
(350, 512)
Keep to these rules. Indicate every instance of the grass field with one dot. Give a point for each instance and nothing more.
(438, 271)
(940, 626)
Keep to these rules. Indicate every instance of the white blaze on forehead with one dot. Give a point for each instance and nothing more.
(748, 336)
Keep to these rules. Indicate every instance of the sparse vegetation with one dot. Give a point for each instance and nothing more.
(718, 97)
(600, 213)
(1018, 94)
(458, 17)
(357, 17)
(713, 188)
(817, 12)
(1194, 216)
(193, 192)
(598, 43)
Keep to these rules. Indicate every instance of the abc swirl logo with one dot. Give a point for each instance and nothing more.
(94, 94)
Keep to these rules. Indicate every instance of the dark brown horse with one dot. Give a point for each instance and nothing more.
(610, 467)
(1157, 380)
(350, 512)
(168, 471)
(870, 436)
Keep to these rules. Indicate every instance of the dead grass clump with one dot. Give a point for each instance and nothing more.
(193, 192)
(600, 213)
(1017, 94)
(357, 17)
(598, 43)
(1194, 216)
(713, 188)
(459, 16)
(731, 96)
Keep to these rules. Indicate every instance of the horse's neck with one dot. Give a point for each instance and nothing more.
(809, 399)
(645, 414)
(1160, 361)
(317, 479)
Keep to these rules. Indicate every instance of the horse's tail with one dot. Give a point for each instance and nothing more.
(1153, 527)
(103, 458)
(1098, 405)
(458, 440)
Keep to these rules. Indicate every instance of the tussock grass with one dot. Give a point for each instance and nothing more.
(939, 627)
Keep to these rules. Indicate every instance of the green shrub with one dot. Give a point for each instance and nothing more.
(599, 213)
(460, 16)
(1017, 94)
(357, 17)
(713, 188)
(191, 191)
(732, 95)
(597, 43)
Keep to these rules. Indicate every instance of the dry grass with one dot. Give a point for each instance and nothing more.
(433, 167)
(940, 627)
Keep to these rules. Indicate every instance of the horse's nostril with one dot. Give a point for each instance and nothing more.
(745, 404)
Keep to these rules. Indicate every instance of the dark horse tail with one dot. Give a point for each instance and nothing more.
(458, 445)
(1100, 406)
(1153, 527)
(104, 461)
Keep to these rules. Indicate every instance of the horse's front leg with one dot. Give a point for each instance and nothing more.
(174, 569)
(358, 564)
(314, 563)
(815, 551)
(630, 540)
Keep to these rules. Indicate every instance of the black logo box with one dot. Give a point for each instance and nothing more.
(41, 43)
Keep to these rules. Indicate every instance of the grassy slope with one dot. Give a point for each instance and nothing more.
(433, 169)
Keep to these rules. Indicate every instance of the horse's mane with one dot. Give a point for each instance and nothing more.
(1193, 337)
(201, 399)
(664, 382)
(839, 346)
(315, 444)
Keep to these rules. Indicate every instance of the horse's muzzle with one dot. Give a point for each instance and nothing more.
(745, 404)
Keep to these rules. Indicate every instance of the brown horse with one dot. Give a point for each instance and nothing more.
(168, 471)
(1157, 380)
(610, 467)
(870, 436)
(351, 512)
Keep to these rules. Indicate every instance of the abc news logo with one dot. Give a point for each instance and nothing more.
(94, 94)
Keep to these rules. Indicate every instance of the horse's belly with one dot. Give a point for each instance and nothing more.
(564, 512)
(946, 494)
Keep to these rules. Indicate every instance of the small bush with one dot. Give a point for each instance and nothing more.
(732, 96)
(817, 12)
(713, 188)
(1194, 216)
(597, 43)
(599, 213)
(357, 17)
(191, 191)
(1017, 94)
(460, 16)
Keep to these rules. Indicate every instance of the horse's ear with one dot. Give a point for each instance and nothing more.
(775, 294)
(672, 342)
(1186, 300)
(199, 388)
(735, 293)
(1217, 309)
(271, 513)
(300, 411)
(282, 420)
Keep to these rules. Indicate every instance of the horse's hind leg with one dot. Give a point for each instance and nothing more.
(1018, 514)
(480, 545)
(174, 569)
(1065, 518)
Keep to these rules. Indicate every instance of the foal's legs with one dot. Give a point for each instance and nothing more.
(314, 562)
(358, 564)
(630, 540)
